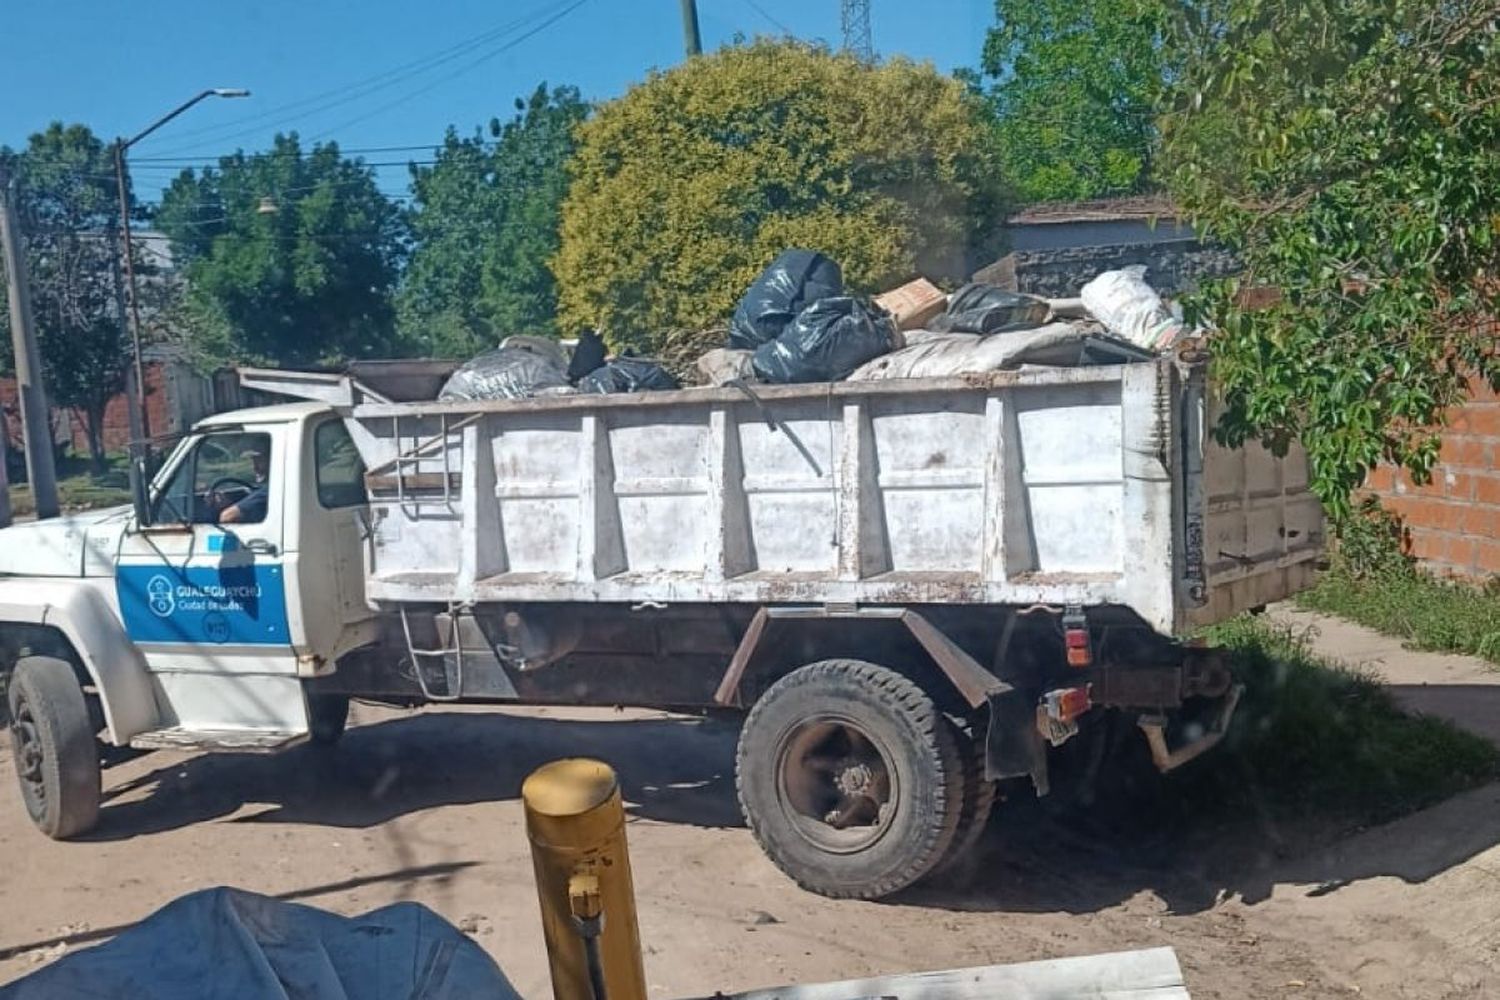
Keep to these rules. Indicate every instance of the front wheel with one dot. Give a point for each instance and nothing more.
(850, 778)
(327, 717)
(56, 754)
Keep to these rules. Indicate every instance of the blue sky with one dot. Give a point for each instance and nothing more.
(354, 71)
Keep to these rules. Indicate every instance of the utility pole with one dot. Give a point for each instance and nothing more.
(135, 401)
(135, 380)
(690, 38)
(29, 390)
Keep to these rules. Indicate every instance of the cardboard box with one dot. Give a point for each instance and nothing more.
(913, 304)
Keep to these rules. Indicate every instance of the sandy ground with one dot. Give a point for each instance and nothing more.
(423, 806)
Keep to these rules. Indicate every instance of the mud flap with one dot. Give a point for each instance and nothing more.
(1013, 746)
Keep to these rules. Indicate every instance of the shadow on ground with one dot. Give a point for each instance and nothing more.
(672, 769)
(1066, 853)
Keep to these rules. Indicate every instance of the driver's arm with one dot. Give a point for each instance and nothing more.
(231, 514)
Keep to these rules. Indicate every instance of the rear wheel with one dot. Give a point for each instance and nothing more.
(56, 754)
(978, 801)
(849, 778)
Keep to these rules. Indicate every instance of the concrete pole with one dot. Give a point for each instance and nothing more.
(33, 396)
(5, 517)
(690, 38)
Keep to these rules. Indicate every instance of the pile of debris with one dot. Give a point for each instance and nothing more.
(796, 324)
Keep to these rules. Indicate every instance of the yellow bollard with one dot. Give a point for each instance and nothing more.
(576, 824)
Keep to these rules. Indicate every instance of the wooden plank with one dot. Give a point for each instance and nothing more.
(1148, 974)
(413, 482)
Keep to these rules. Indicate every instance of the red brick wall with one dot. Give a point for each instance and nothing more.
(116, 415)
(1453, 522)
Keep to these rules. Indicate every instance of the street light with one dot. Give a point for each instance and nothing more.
(140, 428)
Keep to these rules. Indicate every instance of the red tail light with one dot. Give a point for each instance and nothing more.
(1067, 704)
(1080, 651)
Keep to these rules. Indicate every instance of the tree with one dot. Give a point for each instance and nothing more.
(688, 185)
(485, 224)
(69, 210)
(1074, 94)
(1354, 169)
(290, 256)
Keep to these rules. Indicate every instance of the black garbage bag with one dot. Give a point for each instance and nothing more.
(587, 356)
(795, 279)
(514, 372)
(827, 340)
(980, 308)
(628, 375)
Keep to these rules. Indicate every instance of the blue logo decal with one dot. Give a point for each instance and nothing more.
(241, 604)
(159, 593)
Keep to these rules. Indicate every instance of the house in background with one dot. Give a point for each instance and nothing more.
(1056, 248)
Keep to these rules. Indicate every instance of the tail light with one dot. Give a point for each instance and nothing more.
(1067, 704)
(1076, 638)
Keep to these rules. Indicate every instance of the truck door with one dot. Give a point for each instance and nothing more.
(202, 590)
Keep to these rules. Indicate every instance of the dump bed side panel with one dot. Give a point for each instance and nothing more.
(1012, 488)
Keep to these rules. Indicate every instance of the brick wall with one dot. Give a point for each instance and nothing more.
(116, 415)
(1453, 522)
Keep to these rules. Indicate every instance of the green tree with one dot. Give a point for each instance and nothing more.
(68, 205)
(1347, 151)
(1074, 91)
(485, 224)
(688, 185)
(290, 256)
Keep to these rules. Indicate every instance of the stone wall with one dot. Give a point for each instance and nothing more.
(1172, 266)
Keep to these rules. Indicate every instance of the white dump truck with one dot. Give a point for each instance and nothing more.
(911, 588)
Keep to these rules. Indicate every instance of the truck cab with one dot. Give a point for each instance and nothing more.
(203, 618)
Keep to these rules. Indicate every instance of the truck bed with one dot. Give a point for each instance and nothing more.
(1094, 485)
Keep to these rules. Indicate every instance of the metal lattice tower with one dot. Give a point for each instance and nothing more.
(855, 17)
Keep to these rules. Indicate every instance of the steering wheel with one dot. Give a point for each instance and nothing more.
(218, 484)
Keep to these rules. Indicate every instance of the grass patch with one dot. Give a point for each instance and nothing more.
(1315, 739)
(1399, 600)
(78, 488)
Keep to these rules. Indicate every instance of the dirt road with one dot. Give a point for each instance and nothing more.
(422, 806)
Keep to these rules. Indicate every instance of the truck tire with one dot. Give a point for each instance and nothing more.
(978, 802)
(327, 715)
(849, 778)
(56, 754)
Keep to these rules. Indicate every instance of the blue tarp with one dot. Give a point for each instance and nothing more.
(228, 943)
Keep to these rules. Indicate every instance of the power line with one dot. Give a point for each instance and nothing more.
(318, 103)
(459, 72)
(767, 15)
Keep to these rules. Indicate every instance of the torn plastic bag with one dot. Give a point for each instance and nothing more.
(828, 340)
(1130, 308)
(628, 375)
(1059, 344)
(980, 308)
(516, 370)
(231, 943)
(725, 364)
(794, 280)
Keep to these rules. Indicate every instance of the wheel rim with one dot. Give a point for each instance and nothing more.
(29, 755)
(836, 784)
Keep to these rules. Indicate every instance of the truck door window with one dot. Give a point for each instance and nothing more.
(340, 470)
(224, 479)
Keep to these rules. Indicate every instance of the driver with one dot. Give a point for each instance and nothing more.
(252, 507)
